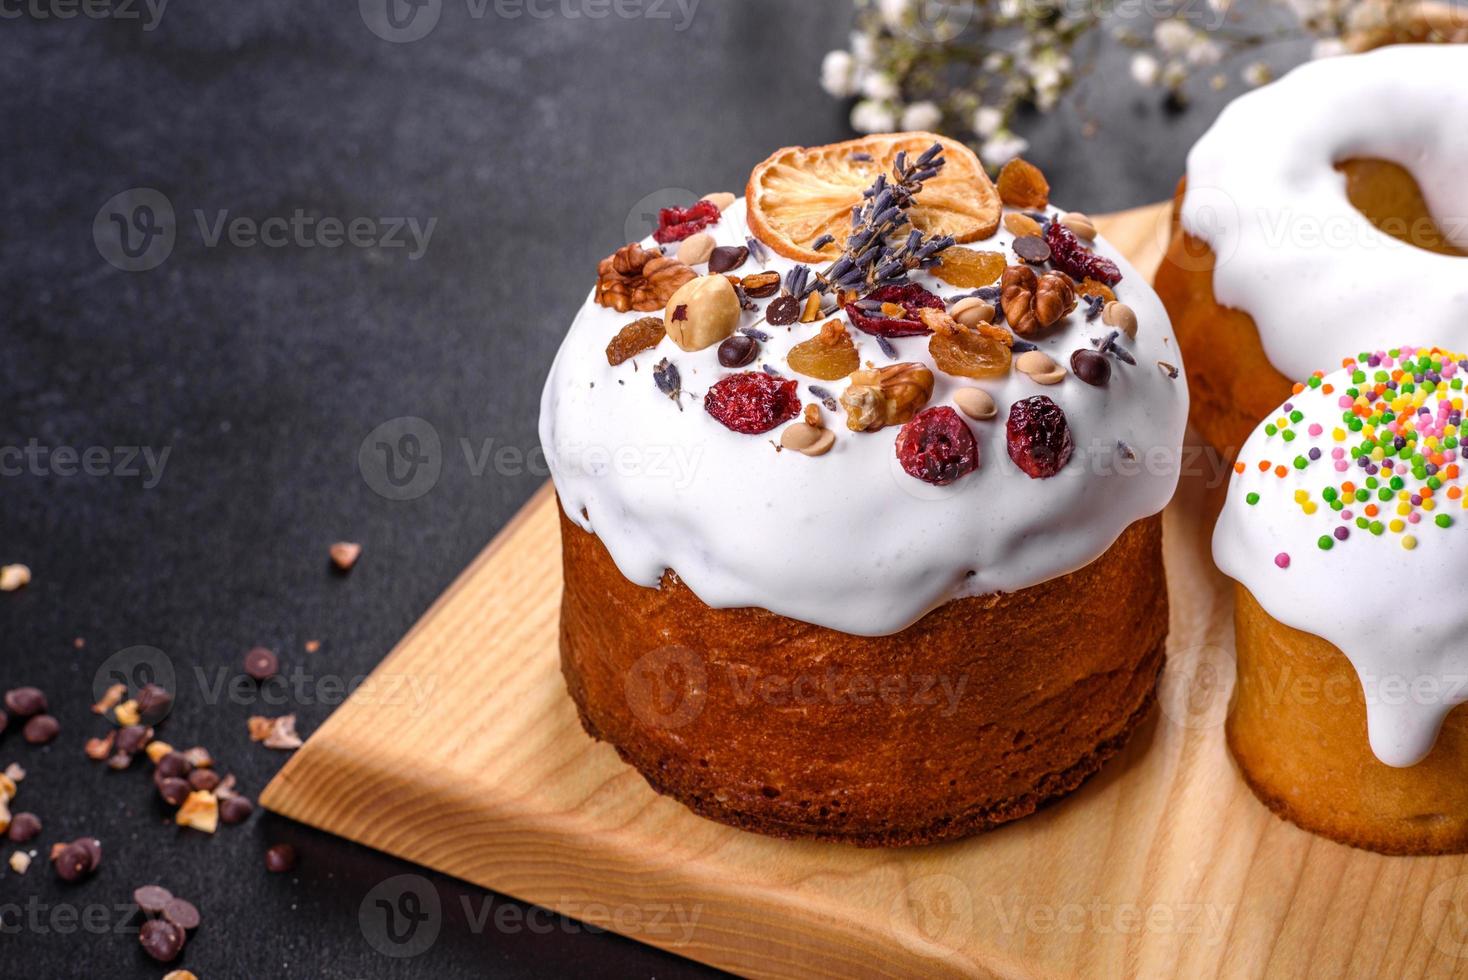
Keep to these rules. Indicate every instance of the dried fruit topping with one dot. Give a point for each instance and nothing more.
(830, 355)
(811, 311)
(1071, 256)
(727, 258)
(635, 278)
(1022, 185)
(1090, 287)
(634, 338)
(676, 224)
(982, 351)
(738, 351)
(969, 268)
(783, 311)
(1092, 367)
(752, 402)
(761, 285)
(1038, 436)
(1032, 249)
(702, 312)
(886, 396)
(1033, 302)
(911, 297)
(1021, 225)
(937, 447)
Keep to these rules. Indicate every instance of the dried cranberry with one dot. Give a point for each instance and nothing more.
(937, 447)
(1071, 257)
(753, 402)
(910, 297)
(1039, 437)
(676, 224)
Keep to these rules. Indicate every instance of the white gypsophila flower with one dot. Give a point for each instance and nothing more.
(869, 117)
(839, 74)
(922, 115)
(995, 61)
(863, 49)
(1257, 74)
(894, 13)
(987, 121)
(1146, 70)
(1174, 75)
(1204, 51)
(1011, 9)
(1049, 69)
(1002, 147)
(1328, 47)
(880, 86)
(1173, 37)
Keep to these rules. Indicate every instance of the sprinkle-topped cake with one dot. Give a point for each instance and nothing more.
(879, 419)
(1342, 528)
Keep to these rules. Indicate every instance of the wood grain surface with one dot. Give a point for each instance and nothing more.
(463, 753)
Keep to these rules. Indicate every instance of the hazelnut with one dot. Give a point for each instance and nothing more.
(702, 313)
(1079, 225)
(976, 403)
(1120, 316)
(972, 311)
(886, 396)
(720, 199)
(696, 249)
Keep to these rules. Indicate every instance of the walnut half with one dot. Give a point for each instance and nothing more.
(1032, 303)
(636, 278)
(886, 396)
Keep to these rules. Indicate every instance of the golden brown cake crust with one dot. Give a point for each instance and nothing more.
(974, 716)
(1297, 728)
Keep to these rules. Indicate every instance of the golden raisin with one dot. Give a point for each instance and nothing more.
(971, 352)
(829, 355)
(968, 268)
(1091, 287)
(1022, 185)
(635, 338)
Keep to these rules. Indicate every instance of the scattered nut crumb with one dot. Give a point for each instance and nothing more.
(344, 554)
(14, 577)
(111, 698)
(275, 733)
(200, 810)
(100, 748)
(157, 750)
(312, 646)
(15, 772)
(20, 862)
(127, 713)
(179, 975)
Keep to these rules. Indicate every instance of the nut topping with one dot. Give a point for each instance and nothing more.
(701, 313)
(1040, 367)
(635, 278)
(1120, 316)
(1033, 302)
(886, 396)
(696, 249)
(972, 311)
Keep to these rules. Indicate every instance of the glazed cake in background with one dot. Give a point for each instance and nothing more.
(860, 546)
(1344, 531)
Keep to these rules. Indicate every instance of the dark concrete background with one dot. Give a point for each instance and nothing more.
(261, 370)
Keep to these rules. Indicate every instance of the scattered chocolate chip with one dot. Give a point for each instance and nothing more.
(132, 738)
(1091, 367)
(25, 701)
(738, 351)
(261, 664)
(41, 729)
(72, 862)
(24, 827)
(173, 790)
(783, 311)
(174, 765)
(235, 809)
(119, 761)
(727, 258)
(153, 702)
(93, 847)
(152, 898)
(280, 858)
(205, 779)
(1032, 248)
(761, 285)
(4, 720)
(181, 913)
(161, 940)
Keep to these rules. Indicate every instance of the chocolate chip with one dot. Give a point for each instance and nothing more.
(761, 285)
(1032, 248)
(93, 847)
(783, 311)
(261, 664)
(1092, 367)
(181, 913)
(203, 779)
(4, 720)
(72, 862)
(153, 701)
(24, 827)
(727, 258)
(738, 351)
(173, 765)
(152, 898)
(25, 701)
(235, 809)
(41, 729)
(161, 940)
(280, 858)
(132, 738)
(119, 761)
(173, 790)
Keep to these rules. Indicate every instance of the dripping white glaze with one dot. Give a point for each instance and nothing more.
(1396, 614)
(848, 540)
(1292, 251)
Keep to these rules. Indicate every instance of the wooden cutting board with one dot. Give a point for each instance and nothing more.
(1162, 865)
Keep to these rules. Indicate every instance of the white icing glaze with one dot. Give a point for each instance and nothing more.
(848, 540)
(1293, 252)
(1396, 614)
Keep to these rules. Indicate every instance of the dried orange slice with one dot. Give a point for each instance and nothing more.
(802, 193)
